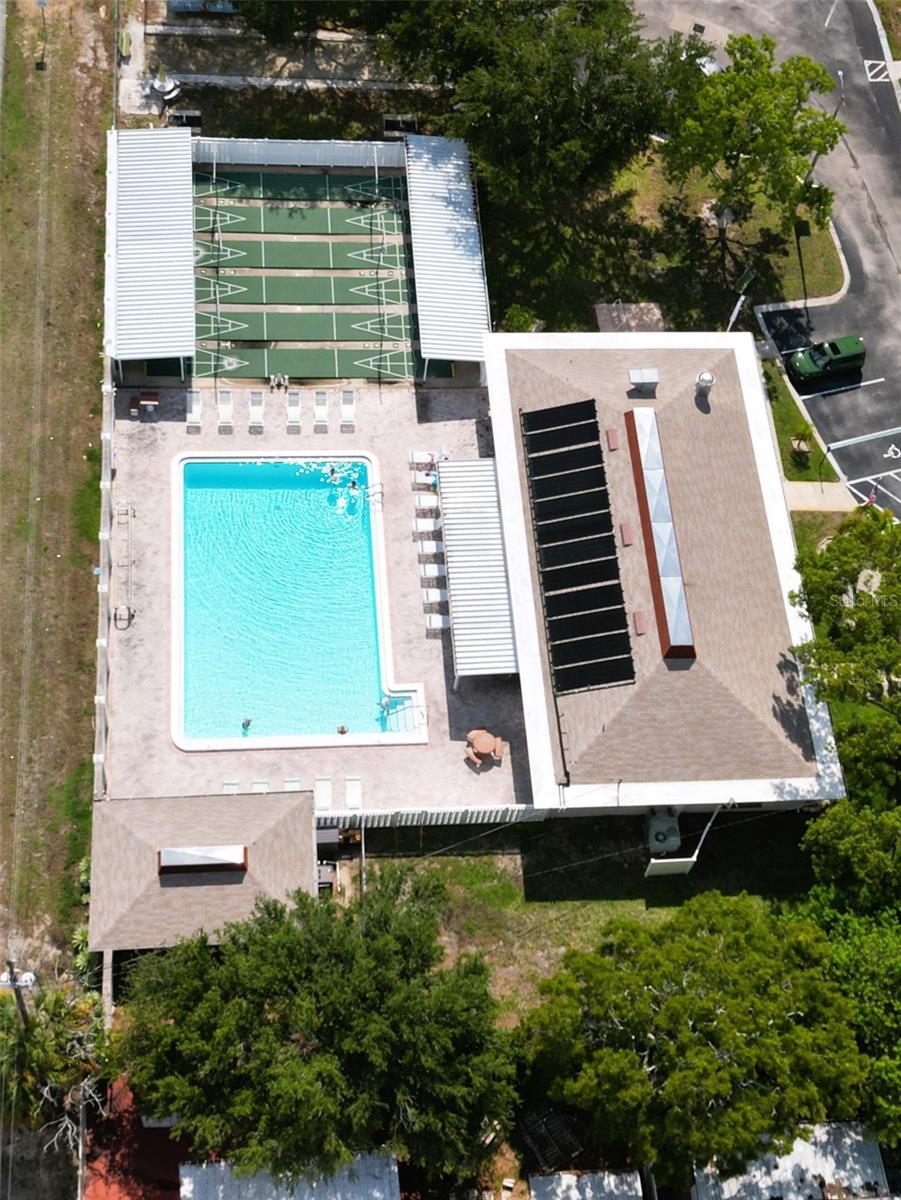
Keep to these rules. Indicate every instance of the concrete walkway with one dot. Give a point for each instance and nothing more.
(818, 497)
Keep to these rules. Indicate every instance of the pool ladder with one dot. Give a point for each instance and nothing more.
(375, 496)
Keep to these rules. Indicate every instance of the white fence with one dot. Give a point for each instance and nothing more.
(104, 612)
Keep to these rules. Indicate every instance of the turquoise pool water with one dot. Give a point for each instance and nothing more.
(280, 619)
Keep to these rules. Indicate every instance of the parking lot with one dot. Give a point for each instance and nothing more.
(857, 415)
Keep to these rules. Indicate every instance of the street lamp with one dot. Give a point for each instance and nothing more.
(838, 104)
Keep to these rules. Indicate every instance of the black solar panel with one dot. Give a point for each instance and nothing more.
(585, 617)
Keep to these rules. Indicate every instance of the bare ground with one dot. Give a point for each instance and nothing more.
(51, 258)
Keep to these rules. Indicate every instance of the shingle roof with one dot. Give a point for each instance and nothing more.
(133, 908)
(736, 712)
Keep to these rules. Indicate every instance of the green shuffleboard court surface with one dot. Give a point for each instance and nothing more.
(305, 364)
(300, 256)
(269, 218)
(256, 326)
(275, 185)
(299, 289)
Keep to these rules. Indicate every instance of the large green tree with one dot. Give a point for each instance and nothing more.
(753, 131)
(696, 1038)
(551, 97)
(865, 961)
(315, 1032)
(852, 592)
(856, 857)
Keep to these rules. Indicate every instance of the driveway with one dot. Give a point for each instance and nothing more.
(865, 174)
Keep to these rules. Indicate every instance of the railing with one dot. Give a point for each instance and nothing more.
(104, 577)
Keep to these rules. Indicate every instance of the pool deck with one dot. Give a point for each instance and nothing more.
(390, 422)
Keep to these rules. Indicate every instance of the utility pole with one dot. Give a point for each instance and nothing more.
(17, 991)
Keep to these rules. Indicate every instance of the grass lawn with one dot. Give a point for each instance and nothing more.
(51, 298)
(812, 527)
(524, 895)
(788, 421)
(801, 265)
(890, 11)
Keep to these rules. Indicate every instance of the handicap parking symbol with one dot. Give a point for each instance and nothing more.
(892, 452)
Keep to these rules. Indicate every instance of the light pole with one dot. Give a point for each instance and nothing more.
(838, 104)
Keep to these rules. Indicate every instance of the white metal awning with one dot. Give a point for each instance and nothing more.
(276, 152)
(451, 294)
(478, 590)
(149, 290)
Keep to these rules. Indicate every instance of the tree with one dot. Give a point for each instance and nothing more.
(53, 1061)
(552, 98)
(852, 592)
(697, 1038)
(869, 746)
(752, 130)
(313, 1033)
(856, 857)
(865, 962)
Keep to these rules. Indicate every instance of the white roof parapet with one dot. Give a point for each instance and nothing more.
(478, 589)
(285, 152)
(149, 289)
(451, 293)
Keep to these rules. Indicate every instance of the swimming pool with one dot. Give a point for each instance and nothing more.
(280, 623)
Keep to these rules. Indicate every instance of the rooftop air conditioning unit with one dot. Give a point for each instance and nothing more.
(663, 831)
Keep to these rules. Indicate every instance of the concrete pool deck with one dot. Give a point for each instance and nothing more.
(390, 422)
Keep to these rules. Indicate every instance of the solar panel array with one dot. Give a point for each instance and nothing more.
(584, 614)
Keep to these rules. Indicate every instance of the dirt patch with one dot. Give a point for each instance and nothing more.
(52, 192)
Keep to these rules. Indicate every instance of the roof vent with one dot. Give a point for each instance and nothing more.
(705, 381)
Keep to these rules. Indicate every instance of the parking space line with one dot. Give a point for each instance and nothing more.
(872, 478)
(864, 437)
(880, 487)
(850, 388)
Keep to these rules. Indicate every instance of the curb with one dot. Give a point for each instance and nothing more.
(816, 301)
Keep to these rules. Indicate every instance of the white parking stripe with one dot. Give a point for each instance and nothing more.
(872, 478)
(865, 437)
(852, 387)
(877, 70)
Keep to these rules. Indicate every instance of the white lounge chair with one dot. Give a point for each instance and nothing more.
(322, 793)
(353, 792)
(229, 787)
(348, 410)
(226, 409)
(425, 479)
(194, 409)
(256, 412)
(291, 785)
(431, 595)
(421, 458)
(294, 411)
(426, 502)
(320, 411)
(432, 571)
(260, 786)
(424, 526)
(429, 549)
(435, 622)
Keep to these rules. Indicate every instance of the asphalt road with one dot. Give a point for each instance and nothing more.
(864, 172)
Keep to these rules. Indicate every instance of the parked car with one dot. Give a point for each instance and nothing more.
(827, 358)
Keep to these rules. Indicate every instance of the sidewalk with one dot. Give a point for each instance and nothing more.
(818, 497)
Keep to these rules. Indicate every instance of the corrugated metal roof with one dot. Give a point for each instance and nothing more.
(478, 590)
(149, 297)
(369, 1177)
(451, 294)
(284, 152)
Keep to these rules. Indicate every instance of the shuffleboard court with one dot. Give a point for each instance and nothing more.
(274, 185)
(300, 256)
(299, 290)
(304, 364)
(270, 218)
(255, 326)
